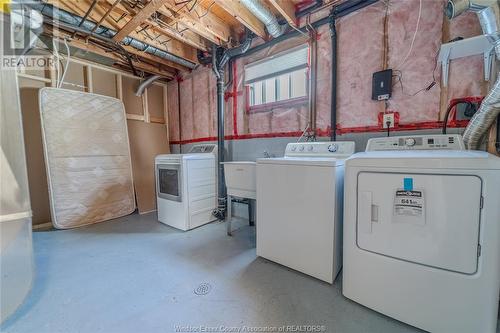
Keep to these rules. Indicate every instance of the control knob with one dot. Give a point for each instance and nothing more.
(410, 142)
(333, 148)
(301, 148)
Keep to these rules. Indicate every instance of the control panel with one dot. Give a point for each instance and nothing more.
(198, 149)
(417, 142)
(320, 149)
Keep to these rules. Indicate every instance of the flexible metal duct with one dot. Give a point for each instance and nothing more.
(484, 118)
(265, 16)
(74, 20)
(489, 16)
(145, 84)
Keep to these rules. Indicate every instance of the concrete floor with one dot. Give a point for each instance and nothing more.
(134, 274)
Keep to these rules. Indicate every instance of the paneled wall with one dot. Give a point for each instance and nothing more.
(361, 52)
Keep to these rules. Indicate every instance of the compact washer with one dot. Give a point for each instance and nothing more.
(421, 232)
(299, 207)
(186, 187)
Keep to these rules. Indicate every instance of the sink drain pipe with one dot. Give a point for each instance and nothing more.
(219, 60)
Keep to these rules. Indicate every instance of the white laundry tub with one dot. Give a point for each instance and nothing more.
(240, 179)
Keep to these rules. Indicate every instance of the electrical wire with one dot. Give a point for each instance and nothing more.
(68, 52)
(56, 54)
(414, 36)
(304, 133)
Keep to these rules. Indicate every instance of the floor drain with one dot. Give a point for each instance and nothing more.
(203, 289)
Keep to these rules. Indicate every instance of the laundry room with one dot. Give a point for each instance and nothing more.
(250, 166)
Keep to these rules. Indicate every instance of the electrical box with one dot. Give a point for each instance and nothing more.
(382, 85)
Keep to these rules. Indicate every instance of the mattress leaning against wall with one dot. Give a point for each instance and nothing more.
(87, 157)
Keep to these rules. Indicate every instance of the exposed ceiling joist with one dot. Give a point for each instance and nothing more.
(141, 65)
(287, 9)
(185, 36)
(139, 18)
(243, 15)
(148, 36)
(205, 24)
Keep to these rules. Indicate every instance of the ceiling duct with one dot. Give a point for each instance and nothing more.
(265, 16)
(75, 21)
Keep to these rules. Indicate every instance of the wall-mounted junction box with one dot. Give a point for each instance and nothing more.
(382, 85)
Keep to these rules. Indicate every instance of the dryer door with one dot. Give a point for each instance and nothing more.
(427, 219)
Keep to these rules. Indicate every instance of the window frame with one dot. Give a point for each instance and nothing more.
(290, 102)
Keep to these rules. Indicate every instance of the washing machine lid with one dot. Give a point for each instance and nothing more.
(310, 161)
(179, 157)
(433, 159)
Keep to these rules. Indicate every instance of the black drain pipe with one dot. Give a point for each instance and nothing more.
(219, 60)
(220, 211)
(333, 107)
(343, 9)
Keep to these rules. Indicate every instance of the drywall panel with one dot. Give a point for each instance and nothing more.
(133, 103)
(87, 156)
(104, 83)
(156, 107)
(37, 177)
(75, 77)
(146, 141)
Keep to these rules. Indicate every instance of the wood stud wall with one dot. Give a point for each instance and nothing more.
(93, 76)
(87, 84)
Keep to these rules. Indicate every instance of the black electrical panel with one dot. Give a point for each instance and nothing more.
(382, 85)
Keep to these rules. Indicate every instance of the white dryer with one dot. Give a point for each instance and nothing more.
(421, 232)
(186, 187)
(299, 207)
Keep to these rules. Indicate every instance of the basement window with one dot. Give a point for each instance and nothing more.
(278, 81)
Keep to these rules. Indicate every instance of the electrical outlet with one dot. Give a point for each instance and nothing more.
(388, 119)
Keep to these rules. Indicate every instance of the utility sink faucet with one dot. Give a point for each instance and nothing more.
(267, 155)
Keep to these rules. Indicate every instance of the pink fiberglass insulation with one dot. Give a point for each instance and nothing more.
(465, 75)
(323, 79)
(359, 44)
(201, 107)
(360, 54)
(415, 74)
(173, 111)
(290, 118)
(187, 110)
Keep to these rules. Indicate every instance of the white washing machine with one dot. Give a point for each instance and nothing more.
(186, 187)
(421, 232)
(299, 207)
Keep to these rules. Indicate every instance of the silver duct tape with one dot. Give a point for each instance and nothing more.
(484, 118)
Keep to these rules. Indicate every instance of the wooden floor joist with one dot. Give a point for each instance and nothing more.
(140, 17)
(180, 28)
